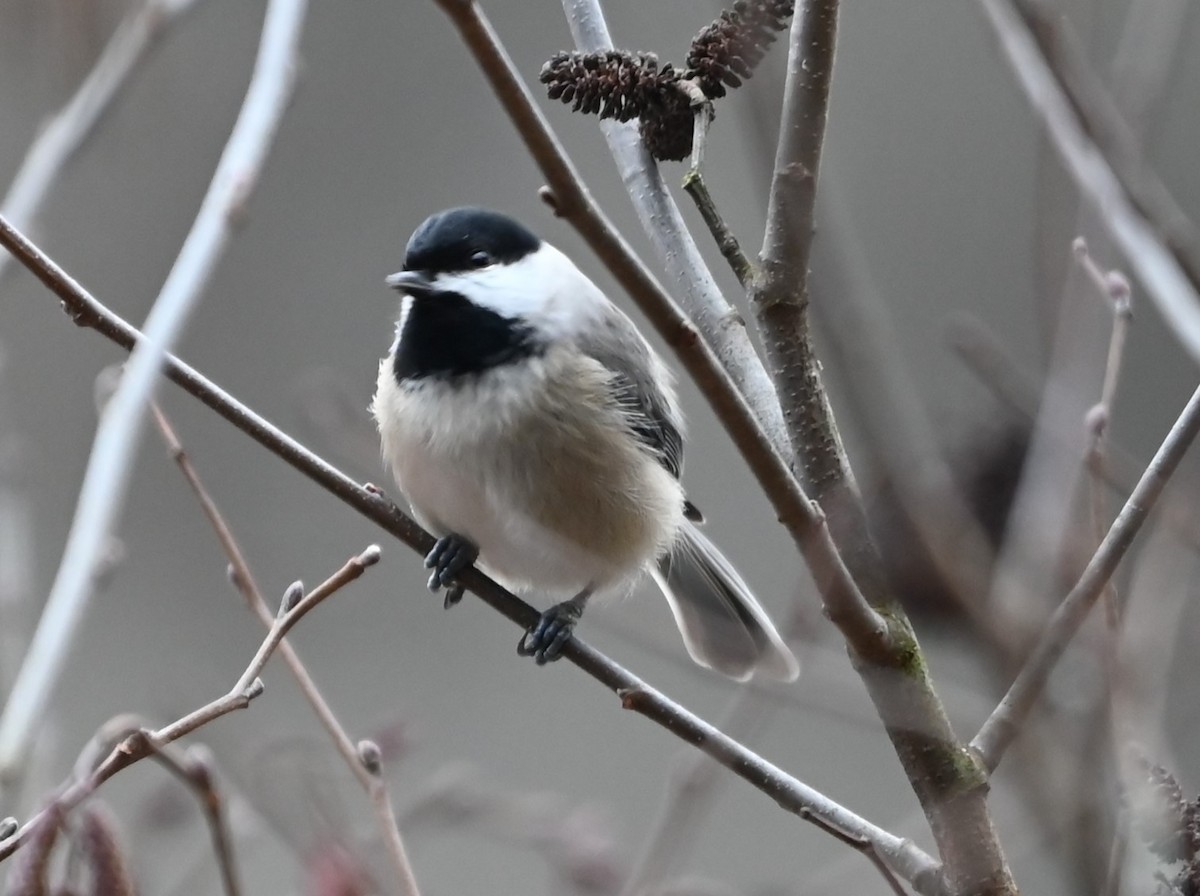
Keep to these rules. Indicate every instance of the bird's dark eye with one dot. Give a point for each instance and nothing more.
(480, 259)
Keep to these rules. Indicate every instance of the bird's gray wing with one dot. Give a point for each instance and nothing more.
(619, 347)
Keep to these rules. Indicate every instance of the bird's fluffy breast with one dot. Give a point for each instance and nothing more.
(536, 464)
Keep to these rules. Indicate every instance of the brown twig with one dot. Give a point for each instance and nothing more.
(290, 615)
(143, 743)
(903, 856)
(130, 750)
(244, 581)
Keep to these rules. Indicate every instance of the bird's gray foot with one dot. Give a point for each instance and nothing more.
(544, 642)
(450, 556)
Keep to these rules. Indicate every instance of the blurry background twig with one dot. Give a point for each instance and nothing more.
(101, 495)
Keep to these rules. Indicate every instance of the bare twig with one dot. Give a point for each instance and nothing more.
(371, 760)
(194, 768)
(720, 324)
(351, 570)
(130, 750)
(143, 742)
(804, 521)
(1149, 259)
(1114, 289)
(904, 857)
(245, 583)
(694, 186)
(65, 132)
(727, 242)
(1005, 721)
(108, 470)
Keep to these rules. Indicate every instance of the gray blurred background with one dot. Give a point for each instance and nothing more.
(934, 162)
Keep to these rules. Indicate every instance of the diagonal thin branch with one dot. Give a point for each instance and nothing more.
(143, 743)
(107, 477)
(244, 580)
(998, 732)
(903, 857)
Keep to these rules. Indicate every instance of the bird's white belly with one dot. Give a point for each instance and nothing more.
(513, 548)
(552, 496)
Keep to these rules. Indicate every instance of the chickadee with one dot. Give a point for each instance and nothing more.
(532, 428)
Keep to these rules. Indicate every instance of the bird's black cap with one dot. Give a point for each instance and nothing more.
(461, 239)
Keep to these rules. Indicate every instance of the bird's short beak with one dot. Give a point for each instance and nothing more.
(411, 282)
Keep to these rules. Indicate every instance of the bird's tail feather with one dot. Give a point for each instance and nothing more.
(723, 626)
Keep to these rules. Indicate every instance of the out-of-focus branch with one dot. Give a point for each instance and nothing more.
(804, 521)
(902, 856)
(289, 615)
(143, 743)
(243, 579)
(690, 790)
(1115, 139)
(986, 358)
(1005, 722)
(65, 132)
(131, 749)
(719, 323)
(1145, 57)
(107, 476)
(194, 768)
(1150, 261)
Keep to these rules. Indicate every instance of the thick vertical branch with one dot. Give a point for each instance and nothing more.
(950, 786)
